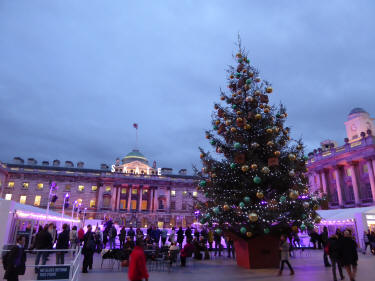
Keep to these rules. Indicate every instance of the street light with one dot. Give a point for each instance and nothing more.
(66, 201)
(73, 207)
(52, 188)
(84, 216)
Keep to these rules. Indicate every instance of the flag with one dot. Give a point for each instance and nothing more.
(135, 125)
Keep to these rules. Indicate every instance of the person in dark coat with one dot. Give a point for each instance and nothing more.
(62, 243)
(88, 249)
(324, 239)
(349, 255)
(333, 246)
(180, 237)
(217, 239)
(43, 241)
(188, 233)
(15, 261)
(122, 237)
(131, 233)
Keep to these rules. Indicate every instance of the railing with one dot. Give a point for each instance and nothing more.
(66, 272)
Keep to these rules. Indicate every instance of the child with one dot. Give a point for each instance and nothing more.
(284, 248)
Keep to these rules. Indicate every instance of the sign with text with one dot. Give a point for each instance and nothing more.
(53, 272)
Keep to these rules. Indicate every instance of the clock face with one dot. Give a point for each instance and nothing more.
(354, 128)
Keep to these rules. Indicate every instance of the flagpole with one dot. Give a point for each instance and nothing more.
(136, 138)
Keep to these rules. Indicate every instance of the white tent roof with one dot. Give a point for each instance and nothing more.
(344, 214)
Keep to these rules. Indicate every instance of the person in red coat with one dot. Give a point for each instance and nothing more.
(137, 266)
(81, 235)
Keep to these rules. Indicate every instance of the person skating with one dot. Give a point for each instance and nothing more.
(366, 241)
(284, 248)
(349, 255)
(324, 240)
(62, 243)
(137, 265)
(164, 235)
(210, 238)
(180, 237)
(131, 233)
(217, 239)
(14, 261)
(122, 237)
(73, 237)
(333, 246)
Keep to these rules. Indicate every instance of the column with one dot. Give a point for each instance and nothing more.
(118, 198)
(100, 197)
(140, 198)
(129, 197)
(355, 184)
(373, 165)
(319, 181)
(324, 180)
(371, 177)
(167, 207)
(156, 203)
(150, 198)
(338, 186)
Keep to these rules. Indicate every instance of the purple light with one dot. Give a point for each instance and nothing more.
(303, 197)
(197, 213)
(67, 195)
(263, 202)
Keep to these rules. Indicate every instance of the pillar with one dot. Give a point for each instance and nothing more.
(319, 181)
(150, 198)
(167, 207)
(118, 192)
(100, 197)
(129, 197)
(324, 181)
(355, 184)
(371, 178)
(338, 186)
(156, 203)
(140, 198)
(373, 165)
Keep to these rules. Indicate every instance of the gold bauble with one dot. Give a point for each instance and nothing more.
(261, 106)
(251, 74)
(270, 143)
(249, 234)
(299, 147)
(318, 219)
(244, 71)
(234, 95)
(239, 112)
(208, 136)
(282, 115)
(247, 87)
(226, 207)
(204, 170)
(233, 129)
(265, 170)
(257, 93)
(222, 98)
(239, 120)
(217, 122)
(316, 207)
(269, 130)
(245, 168)
(247, 127)
(202, 155)
(249, 99)
(257, 79)
(295, 228)
(258, 116)
(238, 55)
(254, 166)
(292, 157)
(269, 90)
(228, 122)
(293, 194)
(253, 217)
(213, 175)
(239, 92)
(266, 110)
(260, 194)
(277, 153)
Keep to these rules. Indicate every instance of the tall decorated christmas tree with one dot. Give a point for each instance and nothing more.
(254, 178)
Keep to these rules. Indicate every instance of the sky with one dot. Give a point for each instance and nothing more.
(75, 75)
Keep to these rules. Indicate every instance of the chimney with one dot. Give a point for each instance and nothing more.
(80, 164)
(104, 166)
(31, 161)
(69, 164)
(56, 163)
(45, 163)
(18, 160)
(166, 171)
(182, 172)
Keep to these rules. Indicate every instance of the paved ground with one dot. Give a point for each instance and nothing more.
(308, 266)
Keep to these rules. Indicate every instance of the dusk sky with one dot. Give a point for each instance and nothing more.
(75, 75)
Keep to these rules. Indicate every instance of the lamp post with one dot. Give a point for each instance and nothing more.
(51, 189)
(73, 206)
(78, 210)
(66, 197)
(84, 216)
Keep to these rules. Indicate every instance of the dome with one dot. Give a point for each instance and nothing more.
(357, 110)
(134, 155)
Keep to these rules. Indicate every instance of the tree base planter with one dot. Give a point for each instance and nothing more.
(259, 252)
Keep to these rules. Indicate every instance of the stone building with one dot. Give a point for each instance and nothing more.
(130, 191)
(346, 173)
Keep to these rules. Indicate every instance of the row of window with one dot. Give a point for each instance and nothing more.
(81, 188)
(38, 199)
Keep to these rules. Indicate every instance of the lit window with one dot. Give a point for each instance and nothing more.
(25, 185)
(144, 205)
(184, 193)
(134, 191)
(365, 168)
(134, 204)
(348, 172)
(8, 196)
(107, 189)
(81, 187)
(67, 187)
(195, 194)
(92, 203)
(94, 188)
(11, 184)
(173, 205)
(39, 186)
(79, 201)
(173, 192)
(37, 200)
(123, 190)
(145, 191)
(122, 204)
(23, 199)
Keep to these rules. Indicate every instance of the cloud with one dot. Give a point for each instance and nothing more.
(74, 76)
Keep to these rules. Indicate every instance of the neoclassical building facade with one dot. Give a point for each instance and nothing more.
(346, 173)
(130, 191)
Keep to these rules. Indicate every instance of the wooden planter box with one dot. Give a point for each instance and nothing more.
(258, 252)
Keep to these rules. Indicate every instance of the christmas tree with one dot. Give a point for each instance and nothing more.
(254, 181)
